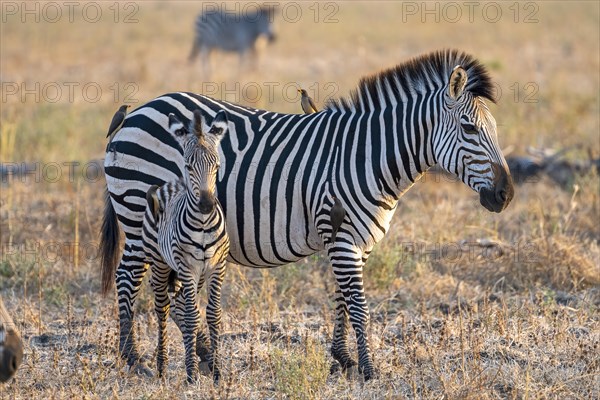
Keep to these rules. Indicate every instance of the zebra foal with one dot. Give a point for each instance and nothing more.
(11, 347)
(183, 233)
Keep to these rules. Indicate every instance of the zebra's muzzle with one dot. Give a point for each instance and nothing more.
(206, 202)
(500, 195)
(11, 355)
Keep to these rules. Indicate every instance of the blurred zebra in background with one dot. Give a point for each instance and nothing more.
(184, 234)
(11, 347)
(280, 175)
(232, 32)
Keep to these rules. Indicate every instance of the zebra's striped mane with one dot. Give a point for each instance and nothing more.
(417, 75)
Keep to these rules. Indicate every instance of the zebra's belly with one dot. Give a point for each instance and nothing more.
(257, 240)
(268, 257)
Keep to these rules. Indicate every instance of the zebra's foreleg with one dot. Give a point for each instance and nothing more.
(159, 282)
(205, 59)
(202, 342)
(192, 322)
(348, 264)
(129, 277)
(339, 344)
(247, 60)
(213, 316)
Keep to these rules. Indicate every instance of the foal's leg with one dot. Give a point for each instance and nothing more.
(213, 315)
(159, 282)
(192, 322)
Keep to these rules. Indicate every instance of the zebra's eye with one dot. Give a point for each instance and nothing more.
(180, 132)
(469, 128)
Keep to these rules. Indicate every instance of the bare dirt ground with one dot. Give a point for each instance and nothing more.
(464, 303)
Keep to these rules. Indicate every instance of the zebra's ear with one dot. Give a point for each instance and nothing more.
(219, 127)
(173, 120)
(152, 199)
(458, 81)
(176, 127)
(197, 123)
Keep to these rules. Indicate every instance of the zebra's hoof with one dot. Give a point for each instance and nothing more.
(203, 352)
(334, 368)
(192, 379)
(349, 370)
(204, 367)
(368, 374)
(140, 368)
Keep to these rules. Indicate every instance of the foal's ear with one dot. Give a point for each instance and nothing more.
(218, 127)
(176, 127)
(458, 81)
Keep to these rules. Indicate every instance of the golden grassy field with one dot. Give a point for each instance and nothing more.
(451, 318)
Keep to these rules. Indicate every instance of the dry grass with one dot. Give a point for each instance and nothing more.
(464, 303)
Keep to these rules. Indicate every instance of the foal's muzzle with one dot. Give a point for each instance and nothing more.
(206, 202)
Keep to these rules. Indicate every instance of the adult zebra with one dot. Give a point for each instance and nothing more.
(280, 172)
(232, 32)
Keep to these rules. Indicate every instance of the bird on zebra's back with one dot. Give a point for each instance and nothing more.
(231, 32)
(371, 146)
(337, 215)
(308, 106)
(115, 125)
(11, 346)
(184, 234)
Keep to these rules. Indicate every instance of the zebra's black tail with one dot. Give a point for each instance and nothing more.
(110, 237)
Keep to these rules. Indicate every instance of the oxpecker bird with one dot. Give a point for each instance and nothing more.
(308, 106)
(337, 216)
(153, 202)
(116, 124)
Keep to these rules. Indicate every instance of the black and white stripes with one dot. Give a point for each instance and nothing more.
(184, 234)
(280, 172)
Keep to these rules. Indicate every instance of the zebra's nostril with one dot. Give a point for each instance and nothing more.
(503, 195)
(13, 365)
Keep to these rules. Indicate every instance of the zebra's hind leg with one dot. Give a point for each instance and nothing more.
(348, 262)
(159, 282)
(213, 316)
(195, 50)
(129, 277)
(339, 344)
(192, 322)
